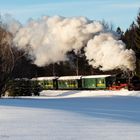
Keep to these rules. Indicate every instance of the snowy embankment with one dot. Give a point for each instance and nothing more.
(87, 93)
(59, 117)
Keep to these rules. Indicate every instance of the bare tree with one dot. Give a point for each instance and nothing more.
(6, 57)
(108, 26)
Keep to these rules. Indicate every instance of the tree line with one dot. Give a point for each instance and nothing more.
(16, 64)
(131, 37)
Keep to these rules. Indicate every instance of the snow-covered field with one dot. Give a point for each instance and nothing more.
(72, 115)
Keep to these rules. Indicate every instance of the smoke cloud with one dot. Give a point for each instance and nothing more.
(50, 38)
(12, 25)
(107, 53)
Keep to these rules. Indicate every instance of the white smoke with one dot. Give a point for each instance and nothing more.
(107, 53)
(52, 37)
(12, 25)
(49, 39)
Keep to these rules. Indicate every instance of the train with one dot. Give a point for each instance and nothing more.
(33, 86)
(91, 82)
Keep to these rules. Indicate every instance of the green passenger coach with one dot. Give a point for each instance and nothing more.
(47, 82)
(69, 82)
(95, 81)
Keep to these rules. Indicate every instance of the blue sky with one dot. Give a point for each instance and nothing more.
(117, 12)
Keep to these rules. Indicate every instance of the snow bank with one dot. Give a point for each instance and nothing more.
(86, 93)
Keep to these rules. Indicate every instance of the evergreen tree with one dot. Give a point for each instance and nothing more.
(129, 37)
(137, 34)
(137, 43)
(120, 32)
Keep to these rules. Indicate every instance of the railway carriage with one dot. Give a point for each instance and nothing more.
(97, 81)
(69, 82)
(46, 82)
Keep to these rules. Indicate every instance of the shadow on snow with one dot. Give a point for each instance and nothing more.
(116, 108)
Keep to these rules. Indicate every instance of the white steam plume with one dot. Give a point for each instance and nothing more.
(12, 25)
(49, 39)
(107, 53)
(52, 37)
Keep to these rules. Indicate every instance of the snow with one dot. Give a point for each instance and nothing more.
(72, 115)
(45, 78)
(96, 76)
(86, 93)
(69, 77)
